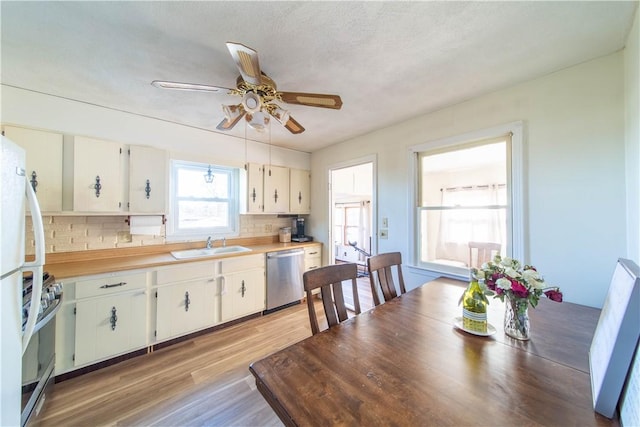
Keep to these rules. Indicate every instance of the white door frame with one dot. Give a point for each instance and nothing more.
(373, 159)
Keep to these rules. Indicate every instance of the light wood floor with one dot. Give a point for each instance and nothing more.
(203, 381)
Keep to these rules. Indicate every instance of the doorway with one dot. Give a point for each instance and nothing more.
(352, 215)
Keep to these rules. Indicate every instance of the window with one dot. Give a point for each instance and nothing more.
(465, 199)
(200, 208)
(348, 220)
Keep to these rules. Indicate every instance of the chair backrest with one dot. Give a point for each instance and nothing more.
(481, 252)
(381, 275)
(329, 279)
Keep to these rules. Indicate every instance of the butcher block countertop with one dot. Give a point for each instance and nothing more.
(66, 265)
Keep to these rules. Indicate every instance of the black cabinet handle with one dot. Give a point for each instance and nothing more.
(97, 186)
(253, 195)
(243, 289)
(113, 285)
(187, 301)
(275, 196)
(147, 189)
(299, 197)
(114, 318)
(34, 181)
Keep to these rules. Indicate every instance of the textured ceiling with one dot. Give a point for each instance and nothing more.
(389, 61)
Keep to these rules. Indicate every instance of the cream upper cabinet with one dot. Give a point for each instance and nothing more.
(255, 198)
(44, 163)
(147, 179)
(97, 185)
(276, 189)
(300, 191)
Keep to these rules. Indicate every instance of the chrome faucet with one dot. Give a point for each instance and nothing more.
(211, 241)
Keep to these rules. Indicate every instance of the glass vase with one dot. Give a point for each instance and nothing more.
(516, 318)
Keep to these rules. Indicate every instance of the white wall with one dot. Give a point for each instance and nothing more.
(574, 148)
(40, 111)
(632, 131)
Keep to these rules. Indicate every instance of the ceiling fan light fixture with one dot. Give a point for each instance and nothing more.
(258, 121)
(232, 112)
(281, 115)
(251, 102)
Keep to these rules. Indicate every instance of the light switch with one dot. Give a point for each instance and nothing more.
(385, 222)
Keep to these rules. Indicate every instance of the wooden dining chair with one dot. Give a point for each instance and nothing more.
(381, 275)
(329, 279)
(481, 252)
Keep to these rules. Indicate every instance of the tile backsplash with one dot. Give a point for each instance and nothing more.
(81, 233)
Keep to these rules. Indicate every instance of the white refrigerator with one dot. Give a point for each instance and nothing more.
(15, 190)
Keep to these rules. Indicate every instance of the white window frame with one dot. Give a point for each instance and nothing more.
(232, 230)
(516, 248)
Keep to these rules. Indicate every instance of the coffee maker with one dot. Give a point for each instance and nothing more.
(297, 231)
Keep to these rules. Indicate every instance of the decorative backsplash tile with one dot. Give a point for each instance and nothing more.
(81, 233)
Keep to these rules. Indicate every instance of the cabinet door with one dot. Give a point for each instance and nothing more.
(300, 191)
(255, 199)
(65, 334)
(276, 189)
(185, 307)
(44, 164)
(96, 175)
(147, 177)
(110, 325)
(242, 293)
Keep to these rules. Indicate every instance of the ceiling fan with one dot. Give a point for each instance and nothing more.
(259, 93)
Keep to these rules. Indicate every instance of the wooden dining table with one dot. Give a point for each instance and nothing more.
(405, 363)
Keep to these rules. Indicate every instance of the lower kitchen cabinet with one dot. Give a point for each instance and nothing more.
(110, 326)
(186, 299)
(243, 293)
(312, 257)
(242, 289)
(110, 316)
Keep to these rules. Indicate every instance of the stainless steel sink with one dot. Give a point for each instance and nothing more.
(203, 252)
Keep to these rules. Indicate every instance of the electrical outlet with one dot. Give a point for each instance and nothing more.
(385, 222)
(268, 228)
(384, 233)
(124, 237)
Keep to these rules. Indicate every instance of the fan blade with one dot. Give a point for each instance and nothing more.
(293, 126)
(188, 86)
(312, 99)
(247, 61)
(229, 122)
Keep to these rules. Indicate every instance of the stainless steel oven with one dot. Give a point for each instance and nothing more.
(38, 360)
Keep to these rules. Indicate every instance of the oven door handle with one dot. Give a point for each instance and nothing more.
(57, 303)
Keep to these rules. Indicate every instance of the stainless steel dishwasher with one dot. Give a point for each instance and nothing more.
(284, 277)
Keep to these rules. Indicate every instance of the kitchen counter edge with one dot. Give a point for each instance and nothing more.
(63, 270)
